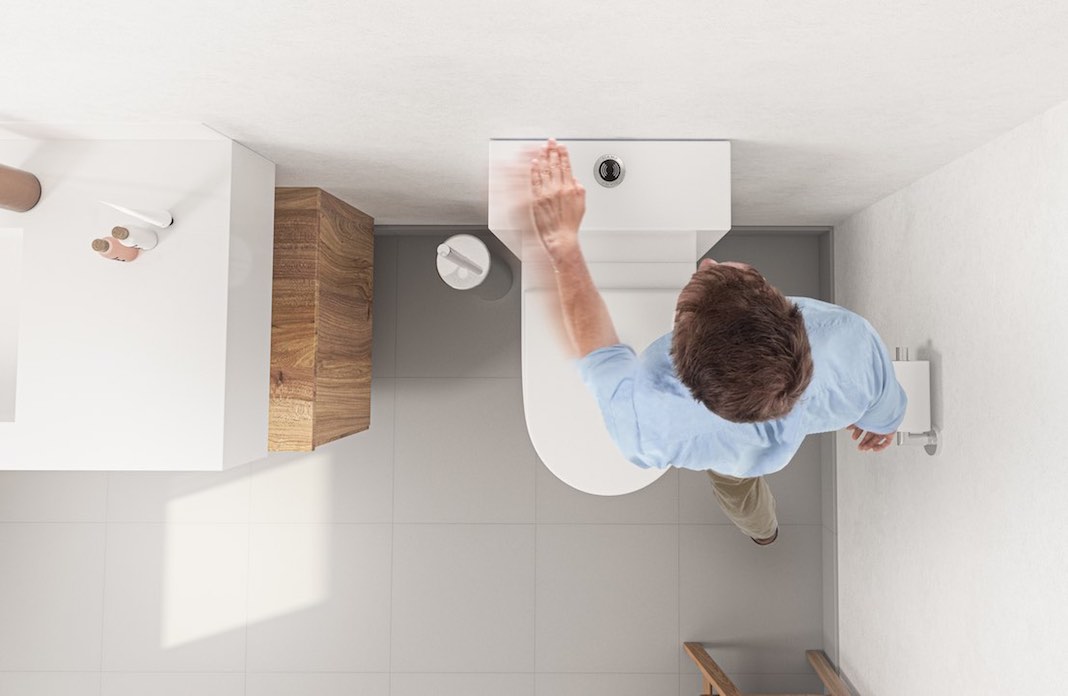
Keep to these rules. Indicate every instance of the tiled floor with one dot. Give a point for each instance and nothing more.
(431, 554)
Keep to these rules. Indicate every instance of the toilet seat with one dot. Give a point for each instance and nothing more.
(572, 441)
(563, 418)
(641, 240)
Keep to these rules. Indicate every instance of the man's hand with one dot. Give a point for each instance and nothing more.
(872, 441)
(557, 206)
(559, 201)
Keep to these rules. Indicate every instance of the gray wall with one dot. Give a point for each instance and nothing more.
(952, 567)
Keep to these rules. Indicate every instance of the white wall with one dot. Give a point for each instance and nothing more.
(953, 568)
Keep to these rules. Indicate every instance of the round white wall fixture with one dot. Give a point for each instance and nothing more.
(465, 263)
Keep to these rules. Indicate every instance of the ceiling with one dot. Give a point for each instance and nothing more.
(389, 105)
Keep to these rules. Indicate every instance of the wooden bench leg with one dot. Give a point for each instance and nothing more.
(712, 677)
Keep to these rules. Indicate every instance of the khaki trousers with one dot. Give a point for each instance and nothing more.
(747, 502)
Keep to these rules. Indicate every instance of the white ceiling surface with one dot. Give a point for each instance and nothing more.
(830, 105)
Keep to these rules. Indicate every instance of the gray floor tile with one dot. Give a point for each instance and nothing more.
(828, 484)
(796, 489)
(175, 598)
(463, 598)
(345, 481)
(462, 452)
(463, 685)
(443, 332)
(830, 594)
(558, 502)
(790, 262)
(384, 319)
(53, 496)
(756, 608)
(607, 598)
(319, 598)
(139, 684)
(51, 594)
(607, 684)
(178, 497)
(330, 595)
(50, 683)
(311, 684)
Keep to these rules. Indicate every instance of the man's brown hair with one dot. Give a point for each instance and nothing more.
(740, 346)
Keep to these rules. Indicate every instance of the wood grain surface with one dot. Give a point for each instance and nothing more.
(827, 673)
(321, 320)
(711, 673)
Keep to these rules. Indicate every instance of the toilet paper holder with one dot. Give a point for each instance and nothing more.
(915, 378)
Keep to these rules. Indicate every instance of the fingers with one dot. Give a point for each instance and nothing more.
(875, 442)
(554, 165)
(565, 166)
(535, 177)
(554, 169)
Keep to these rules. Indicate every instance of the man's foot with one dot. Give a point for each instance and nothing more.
(770, 539)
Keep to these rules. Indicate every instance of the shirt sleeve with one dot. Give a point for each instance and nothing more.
(609, 373)
(887, 408)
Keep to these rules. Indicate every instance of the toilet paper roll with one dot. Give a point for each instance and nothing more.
(914, 376)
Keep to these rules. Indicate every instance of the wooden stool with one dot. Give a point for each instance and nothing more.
(714, 681)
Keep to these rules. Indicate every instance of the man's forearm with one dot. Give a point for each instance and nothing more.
(585, 314)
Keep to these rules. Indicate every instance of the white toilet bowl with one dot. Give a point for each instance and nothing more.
(639, 267)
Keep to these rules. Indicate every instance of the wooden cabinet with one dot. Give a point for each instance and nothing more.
(320, 320)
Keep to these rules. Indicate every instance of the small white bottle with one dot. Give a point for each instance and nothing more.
(137, 237)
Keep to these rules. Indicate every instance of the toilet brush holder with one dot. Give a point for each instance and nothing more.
(465, 263)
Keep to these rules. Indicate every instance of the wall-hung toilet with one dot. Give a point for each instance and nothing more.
(653, 207)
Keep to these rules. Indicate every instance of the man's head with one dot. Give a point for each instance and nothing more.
(739, 345)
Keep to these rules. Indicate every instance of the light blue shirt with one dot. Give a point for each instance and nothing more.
(656, 422)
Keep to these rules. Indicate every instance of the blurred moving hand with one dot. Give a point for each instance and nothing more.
(558, 201)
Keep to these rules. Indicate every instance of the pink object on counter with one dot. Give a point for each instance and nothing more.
(113, 249)
(137, 237)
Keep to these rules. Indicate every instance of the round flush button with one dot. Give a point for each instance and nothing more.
(609, 171)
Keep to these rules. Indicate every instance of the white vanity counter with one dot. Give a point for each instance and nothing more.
(156, 364)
